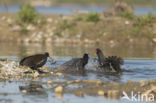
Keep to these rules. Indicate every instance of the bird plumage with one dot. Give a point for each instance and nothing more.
(76, 64)
(110, 63)
(34, 61)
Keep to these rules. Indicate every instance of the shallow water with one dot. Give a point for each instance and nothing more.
(140, 64)
(68, 9)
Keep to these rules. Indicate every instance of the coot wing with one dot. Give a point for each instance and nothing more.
(34, 61)
(71, 64)
(115, 62)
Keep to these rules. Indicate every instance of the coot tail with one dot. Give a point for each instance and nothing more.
(110, 63)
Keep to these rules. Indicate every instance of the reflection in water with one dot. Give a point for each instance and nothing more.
(22, 52)
(34, 90)
(125, 51)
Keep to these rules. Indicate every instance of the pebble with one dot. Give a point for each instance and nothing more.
(9, 21)
(59, 74)
(30, 27)
(101, 93)
(49, 20)
(4, 18)
(77, 81)
(59, 89)
(69, 82)
(36, 74)
(24, 91)
(93, 81)
(126, 22)
(154, 39)
(49, 82)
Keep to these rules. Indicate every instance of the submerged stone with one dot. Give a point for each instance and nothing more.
(59, 89)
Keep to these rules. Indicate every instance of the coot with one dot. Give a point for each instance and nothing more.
(35, 61)
(110, 63)
(75, 64)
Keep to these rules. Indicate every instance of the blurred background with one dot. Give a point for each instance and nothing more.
(71, 27)
(77, 2)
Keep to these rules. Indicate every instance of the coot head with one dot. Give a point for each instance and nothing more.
(85, 58)
(100, 55)
(46, 54)
(97, 51)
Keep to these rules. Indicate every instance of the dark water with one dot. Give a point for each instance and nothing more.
(140, 64)
(68, 9)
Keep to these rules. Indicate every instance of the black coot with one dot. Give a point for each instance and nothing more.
(110, 63)
(35, 61)
(76, 64)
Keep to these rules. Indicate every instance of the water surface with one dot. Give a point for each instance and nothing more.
(140, 64)
(68, 9)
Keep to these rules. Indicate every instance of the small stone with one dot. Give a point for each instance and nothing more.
(77, 81)
(26, 40)
(101, 93)
(59, 89)
(55, 21)
(131, 40)
(4, 18)
(9, 21)
(104, 34)
(59, 74)
(30, 27)
(93, 81)
(38, 89)
(154, 39)
(86, 40)
(24, 91)
(36, 74)
(69, 82)
(49, 82)
(126, 22)
(112, 42)
(49, 20)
